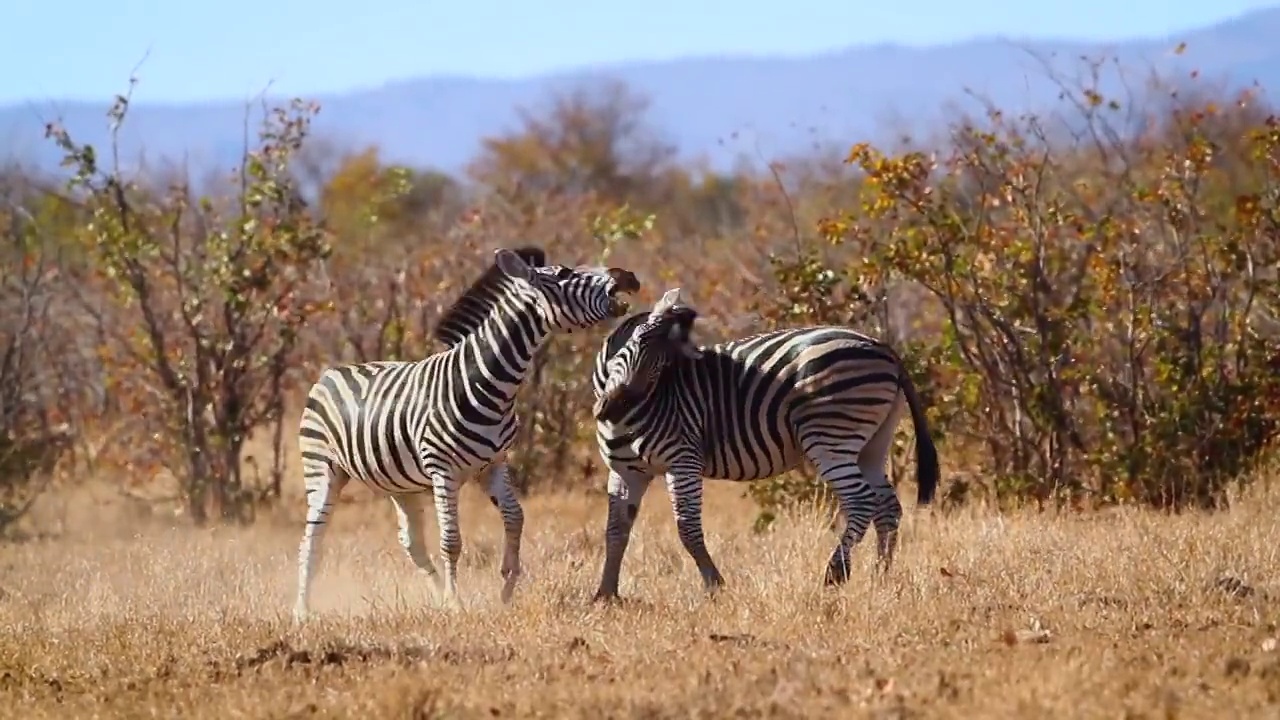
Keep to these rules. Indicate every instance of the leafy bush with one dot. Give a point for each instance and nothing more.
(1109, 306)
(1087, 304)
(211, 298)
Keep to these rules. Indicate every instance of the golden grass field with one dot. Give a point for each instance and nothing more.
(1116, 614)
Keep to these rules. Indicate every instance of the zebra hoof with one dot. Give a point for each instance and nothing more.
(508, 590)
(606, 598)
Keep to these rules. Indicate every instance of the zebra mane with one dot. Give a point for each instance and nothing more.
(621, 333)
(471, 308)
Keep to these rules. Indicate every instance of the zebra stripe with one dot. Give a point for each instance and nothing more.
(473, 306)
(745, 410)
(405, 428)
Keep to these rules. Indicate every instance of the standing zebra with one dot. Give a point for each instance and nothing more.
(405, 428)
(745, 410)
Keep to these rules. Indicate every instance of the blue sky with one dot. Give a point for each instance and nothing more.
(82, 49)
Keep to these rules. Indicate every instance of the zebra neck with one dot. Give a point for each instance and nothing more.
(649, 414)
(503, 347)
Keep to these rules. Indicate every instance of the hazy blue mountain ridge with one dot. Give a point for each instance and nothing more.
(775, 106)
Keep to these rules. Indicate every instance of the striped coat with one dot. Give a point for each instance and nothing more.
(745, 410)
(408, 428)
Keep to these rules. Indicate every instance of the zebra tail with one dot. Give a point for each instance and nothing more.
(926, 453)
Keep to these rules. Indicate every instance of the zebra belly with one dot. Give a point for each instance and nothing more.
(721, 461)
(746, 467)
(392, 468)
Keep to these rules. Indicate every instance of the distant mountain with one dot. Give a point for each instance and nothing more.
(719, 108)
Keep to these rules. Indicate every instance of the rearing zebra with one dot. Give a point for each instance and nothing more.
(403, 428)
(749, 409)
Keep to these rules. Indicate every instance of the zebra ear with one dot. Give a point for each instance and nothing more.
(512, 265)
(668, 300)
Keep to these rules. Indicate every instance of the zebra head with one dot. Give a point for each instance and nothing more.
(663, 338)
(570, 298)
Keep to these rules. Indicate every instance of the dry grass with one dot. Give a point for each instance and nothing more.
(1025, 616)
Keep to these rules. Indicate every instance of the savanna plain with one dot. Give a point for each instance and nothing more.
(1123, 613)
(1093, 320)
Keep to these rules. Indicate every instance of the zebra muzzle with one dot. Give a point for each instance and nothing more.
(624, 281)
(618, 307)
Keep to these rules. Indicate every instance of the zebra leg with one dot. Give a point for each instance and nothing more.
(413, 538)
(685, 488)
(887, 516)
(888, 511)
(856, 499)
(446, 495)
(323, 484)
(626, 490)
(504, 498)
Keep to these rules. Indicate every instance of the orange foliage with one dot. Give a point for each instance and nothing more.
(1001, 257)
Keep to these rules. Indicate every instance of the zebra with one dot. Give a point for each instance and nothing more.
(750, 409)
(405, 428)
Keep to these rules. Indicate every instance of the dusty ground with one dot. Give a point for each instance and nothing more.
(1113, 615)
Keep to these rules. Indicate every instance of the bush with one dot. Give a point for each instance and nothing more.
(1108, 306)
(1087, 304)
(39, 362)
(209, 298)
